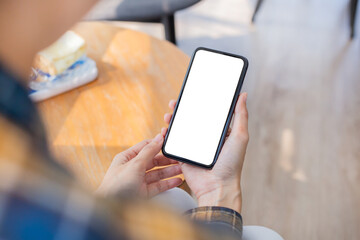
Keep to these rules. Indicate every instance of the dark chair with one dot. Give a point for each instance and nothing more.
(353, 9)
(160, 11)
(257, 7)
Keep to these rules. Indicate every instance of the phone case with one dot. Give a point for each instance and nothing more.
(228, 120)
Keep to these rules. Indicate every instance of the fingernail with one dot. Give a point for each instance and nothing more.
(245, 96)
(158, 138)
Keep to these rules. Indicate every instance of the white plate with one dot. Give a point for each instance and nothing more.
(80, 73)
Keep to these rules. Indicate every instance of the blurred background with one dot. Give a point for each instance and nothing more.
(301, 176)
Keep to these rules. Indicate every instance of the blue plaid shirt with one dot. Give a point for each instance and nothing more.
(40, 200)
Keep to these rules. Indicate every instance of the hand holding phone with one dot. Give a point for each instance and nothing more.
(205, 107)
(220, 186)
(197, 134)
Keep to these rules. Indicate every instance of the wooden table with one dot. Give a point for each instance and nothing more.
(138, 75)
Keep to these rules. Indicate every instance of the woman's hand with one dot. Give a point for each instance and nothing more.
(131, 171)
(220, 186)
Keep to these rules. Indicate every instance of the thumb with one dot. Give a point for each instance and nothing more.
(240, 127)
(147, 154)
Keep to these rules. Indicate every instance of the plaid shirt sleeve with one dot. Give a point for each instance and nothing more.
(223, 219)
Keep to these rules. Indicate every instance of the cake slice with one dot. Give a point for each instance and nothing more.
(58, 57)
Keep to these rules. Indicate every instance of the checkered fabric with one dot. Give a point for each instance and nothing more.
(227, 218)
(40, 200)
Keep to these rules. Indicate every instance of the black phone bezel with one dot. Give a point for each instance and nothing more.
(230, 113)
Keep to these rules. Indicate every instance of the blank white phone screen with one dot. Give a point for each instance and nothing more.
(204, 106)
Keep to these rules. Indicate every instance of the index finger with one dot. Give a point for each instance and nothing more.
(147, 154)
(240, 127)
(172, 104)
(131, 152)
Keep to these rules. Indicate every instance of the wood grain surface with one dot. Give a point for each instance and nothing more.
(138, 75)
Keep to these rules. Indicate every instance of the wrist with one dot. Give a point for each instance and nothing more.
(225, 195)
(102, 191)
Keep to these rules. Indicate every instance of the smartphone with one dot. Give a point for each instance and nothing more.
(205, 106)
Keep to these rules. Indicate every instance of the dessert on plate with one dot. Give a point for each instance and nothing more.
(61, 67)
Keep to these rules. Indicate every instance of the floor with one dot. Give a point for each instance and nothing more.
(302, 170)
